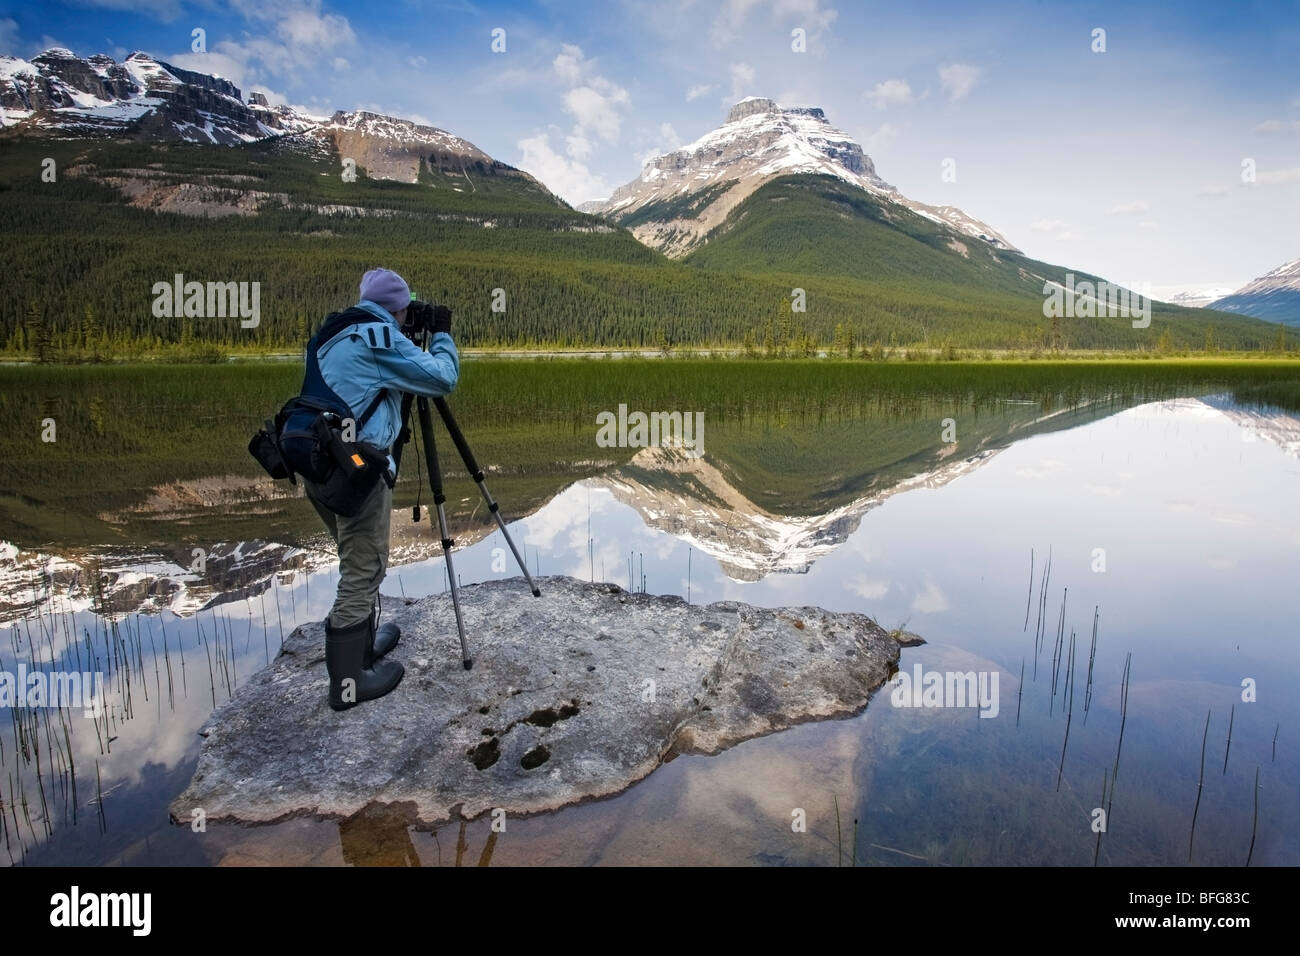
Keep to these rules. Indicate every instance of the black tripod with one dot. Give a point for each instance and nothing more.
(435, 485)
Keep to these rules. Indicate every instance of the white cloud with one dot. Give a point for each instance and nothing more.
(1212, 192)
(165, 10)
(597, 110)
(594, 102)
(1148, 224)
(665, 140)
(568, 63)
(1128, 209)
(236, 69)
(695, 92)
(1275, 176)
(742, 79)
(577, 146)
(49, 43)
(306, 27)
(1062, 229)
(889, 93)
(8, 34)
(876, 141)
(292, 38)
(959, 79)
(597, 107)
(731, 18)
(1278, 126)
(808, 14)
(567, 177)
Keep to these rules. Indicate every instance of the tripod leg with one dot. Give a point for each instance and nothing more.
(435, 483)
(475, 472)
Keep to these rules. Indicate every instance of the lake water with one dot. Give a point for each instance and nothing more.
(1174, 525)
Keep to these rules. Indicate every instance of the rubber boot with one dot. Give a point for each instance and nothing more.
(345, 659)
(382, 639)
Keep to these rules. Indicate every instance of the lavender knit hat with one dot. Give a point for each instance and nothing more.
(386, 288)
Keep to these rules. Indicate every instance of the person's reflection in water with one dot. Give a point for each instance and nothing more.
(378, 835)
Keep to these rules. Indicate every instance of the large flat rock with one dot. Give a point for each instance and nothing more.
(574, 695)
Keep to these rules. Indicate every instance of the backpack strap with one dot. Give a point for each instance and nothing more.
(371, 408)
(335, 324)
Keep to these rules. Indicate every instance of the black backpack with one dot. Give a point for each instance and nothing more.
(306, 437)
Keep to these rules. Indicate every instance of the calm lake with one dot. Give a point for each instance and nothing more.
(1114, 551)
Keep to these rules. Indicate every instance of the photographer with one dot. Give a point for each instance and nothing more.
(370, 363)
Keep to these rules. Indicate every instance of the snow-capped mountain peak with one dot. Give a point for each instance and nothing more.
(759, 141)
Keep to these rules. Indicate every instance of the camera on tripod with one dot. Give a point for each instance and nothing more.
(425, 317)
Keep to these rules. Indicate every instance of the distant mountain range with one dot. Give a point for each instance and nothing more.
(60, 94)
(707, 246)
(1199, 298)
(1274, 296)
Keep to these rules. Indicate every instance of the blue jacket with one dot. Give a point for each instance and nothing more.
(356, 370)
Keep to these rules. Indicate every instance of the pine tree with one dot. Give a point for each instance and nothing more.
(785, 329)
(42, 337)
(91, 333)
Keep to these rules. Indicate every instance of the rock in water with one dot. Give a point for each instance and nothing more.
(574, 695)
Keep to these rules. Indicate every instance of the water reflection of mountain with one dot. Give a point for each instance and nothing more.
(754, 507)
(701, 503)
(1276, 427)
(150, 580)
(696, 501)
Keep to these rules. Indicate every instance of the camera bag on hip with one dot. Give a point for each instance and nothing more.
(308, 435)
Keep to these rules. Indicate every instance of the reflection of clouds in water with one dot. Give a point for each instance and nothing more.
(1233, 518)
(542, 527)
(868, 588)
(931, 600)
(1103, 489)
(616, 532)
(568, 511)
(862, 546)
(1043, 468)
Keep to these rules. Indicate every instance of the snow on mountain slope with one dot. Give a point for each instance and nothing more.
(1274, 296)
(1198, 299)
(758, 142)
(62, 95)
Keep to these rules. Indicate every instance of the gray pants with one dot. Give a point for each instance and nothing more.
(363, 553)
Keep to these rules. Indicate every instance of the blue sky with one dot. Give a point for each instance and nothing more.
(1127, 163)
